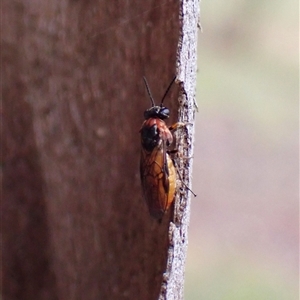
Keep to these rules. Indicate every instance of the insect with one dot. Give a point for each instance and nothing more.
(157, 170)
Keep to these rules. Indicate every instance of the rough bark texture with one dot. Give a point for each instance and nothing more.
(74, 224)
(173, 283)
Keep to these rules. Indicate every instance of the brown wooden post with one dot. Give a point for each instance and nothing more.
(74, 223)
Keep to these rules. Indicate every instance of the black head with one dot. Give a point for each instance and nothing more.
(159, 112)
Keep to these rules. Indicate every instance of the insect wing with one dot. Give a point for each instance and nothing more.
(158, 178)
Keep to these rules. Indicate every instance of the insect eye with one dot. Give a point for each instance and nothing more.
(152, 112)
(164, 113)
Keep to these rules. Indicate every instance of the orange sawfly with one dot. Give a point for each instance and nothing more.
(157, 170)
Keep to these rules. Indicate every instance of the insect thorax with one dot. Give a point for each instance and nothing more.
(150, 137)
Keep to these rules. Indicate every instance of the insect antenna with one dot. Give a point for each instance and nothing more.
(167, 90)
(148, 91)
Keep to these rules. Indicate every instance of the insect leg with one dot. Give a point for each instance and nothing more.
(176, 126)
(172, 128)
(179, 125)
(175, 151)
(177, 169)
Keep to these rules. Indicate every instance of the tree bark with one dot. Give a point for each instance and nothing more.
(173, 284)
(74, 224)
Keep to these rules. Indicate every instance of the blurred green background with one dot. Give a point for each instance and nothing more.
(244, 231)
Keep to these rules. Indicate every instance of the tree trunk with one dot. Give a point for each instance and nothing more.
(74, 222)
